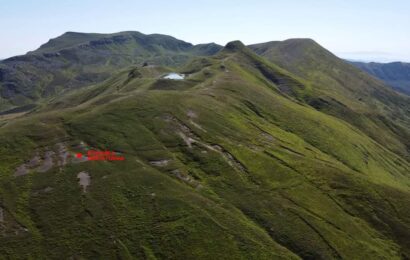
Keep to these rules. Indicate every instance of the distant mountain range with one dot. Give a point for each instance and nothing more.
(395, 74)
(277, 150)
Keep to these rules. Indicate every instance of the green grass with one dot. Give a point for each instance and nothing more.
(267, 176)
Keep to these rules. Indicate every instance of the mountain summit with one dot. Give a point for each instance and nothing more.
(234, 46)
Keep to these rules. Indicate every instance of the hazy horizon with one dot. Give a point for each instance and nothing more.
(365, 31)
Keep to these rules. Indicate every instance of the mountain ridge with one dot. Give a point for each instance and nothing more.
(395, 74)
(242, 158)
(77, 59)
(342, 90)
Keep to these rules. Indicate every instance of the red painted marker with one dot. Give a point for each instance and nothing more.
(79, 155)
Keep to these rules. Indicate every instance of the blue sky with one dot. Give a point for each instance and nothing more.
(376, 30)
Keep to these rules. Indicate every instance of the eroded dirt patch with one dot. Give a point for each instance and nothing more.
(81, 159)
(58, 155)
(188, 140)
(186, 178)
(63, 154)
(160, 163)
(84, 180)
(193, 115)
(47, 189)
(35, 161)
(21, 170)
(191, 138)
(48, 162)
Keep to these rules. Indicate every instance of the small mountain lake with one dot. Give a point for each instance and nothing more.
(174, 76)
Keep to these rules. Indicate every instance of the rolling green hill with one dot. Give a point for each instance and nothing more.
(277, 151)
(340, 89)
(73, 60)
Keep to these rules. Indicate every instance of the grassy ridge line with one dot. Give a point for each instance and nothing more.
(302, 183)
(344, 91)
(75, 60)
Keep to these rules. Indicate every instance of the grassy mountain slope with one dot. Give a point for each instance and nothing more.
(79, 59)
(227, 163)
(341, 90)
(395, 74)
